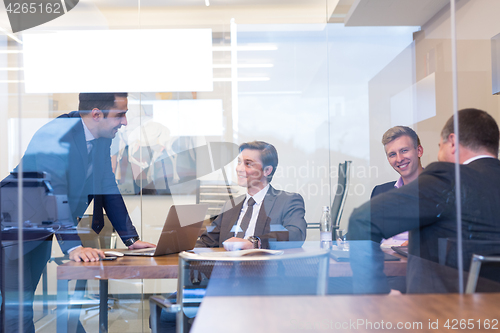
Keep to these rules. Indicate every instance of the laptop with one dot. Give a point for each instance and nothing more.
(402, 250)
(180, 231)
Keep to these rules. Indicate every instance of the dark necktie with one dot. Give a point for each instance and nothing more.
(98, 216)
(246, 219)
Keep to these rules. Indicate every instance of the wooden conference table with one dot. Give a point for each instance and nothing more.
(162, 267)
(370, 313)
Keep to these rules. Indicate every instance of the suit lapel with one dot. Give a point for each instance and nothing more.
(262, 226)
(79, 142)
(269, 200)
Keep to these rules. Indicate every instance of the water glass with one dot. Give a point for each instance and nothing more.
(342, 243)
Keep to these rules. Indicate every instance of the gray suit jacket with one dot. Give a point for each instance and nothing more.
(280, 207)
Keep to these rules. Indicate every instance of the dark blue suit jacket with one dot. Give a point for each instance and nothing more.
(59, 149)
(382, 188)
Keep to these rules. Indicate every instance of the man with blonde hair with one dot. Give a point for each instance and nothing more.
(403, 150)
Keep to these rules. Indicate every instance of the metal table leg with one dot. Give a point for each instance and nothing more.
(62, 306)
(103, 306)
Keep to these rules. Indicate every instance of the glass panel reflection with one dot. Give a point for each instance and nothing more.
(321, 84)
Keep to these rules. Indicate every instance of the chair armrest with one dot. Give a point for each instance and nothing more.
(156, 304)
(163, 303)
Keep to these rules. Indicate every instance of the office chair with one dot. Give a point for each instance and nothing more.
(475, 267)
(340, 194)
(301, 273)
(474, 252)
(339, 197)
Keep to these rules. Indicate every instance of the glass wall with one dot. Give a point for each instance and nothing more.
(322, 81)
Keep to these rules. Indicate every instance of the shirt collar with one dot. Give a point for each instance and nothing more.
(259, 196)
(399, 183)
(472, 159)
(88, 134)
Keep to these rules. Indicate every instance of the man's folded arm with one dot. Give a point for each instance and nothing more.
(294, 218)
(210, 238)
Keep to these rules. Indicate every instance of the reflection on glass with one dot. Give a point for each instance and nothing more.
(321, 93)
(66, 165)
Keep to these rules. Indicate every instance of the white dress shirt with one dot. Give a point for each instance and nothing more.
(259, 199)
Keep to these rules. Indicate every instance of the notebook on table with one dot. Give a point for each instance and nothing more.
(180, 231)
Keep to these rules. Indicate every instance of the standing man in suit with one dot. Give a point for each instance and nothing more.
(427, 207)
(250, 221)
(74, 151)
(403, 150)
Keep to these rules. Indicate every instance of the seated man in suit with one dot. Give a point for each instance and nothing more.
(427, 208)
(74, 151)
(254, 215)
(249, 223)
(403, 150)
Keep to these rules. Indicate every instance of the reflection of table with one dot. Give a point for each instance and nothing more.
(163, 267)
(377, 313)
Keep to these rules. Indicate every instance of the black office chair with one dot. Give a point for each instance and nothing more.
(474, 253)
(340, 194)
(475, 267)
(339, 198)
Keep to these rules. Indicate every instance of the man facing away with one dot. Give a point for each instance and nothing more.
(427, 207)
(74, 150)
(261, 210)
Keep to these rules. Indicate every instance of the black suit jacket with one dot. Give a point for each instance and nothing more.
(427, 208)
(280, 207)
(59, 148)
(382, 188)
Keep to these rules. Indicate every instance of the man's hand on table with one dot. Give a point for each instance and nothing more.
(140, 245)
(86, 254)
(235, 244)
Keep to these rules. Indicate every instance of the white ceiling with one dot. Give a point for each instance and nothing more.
(119, 14)
(393, 12)
(201, 3)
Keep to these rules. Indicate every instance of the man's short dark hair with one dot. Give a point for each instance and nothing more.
(268, 155)
(101, 101)
(398, 131)
(476, 130)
